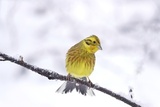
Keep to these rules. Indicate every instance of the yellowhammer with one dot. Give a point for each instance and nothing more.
(80, 61)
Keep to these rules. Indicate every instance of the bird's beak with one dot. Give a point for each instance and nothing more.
(99, 47)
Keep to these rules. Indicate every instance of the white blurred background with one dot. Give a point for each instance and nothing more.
(43, 30)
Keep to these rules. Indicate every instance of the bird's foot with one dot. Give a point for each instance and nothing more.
(69, 77)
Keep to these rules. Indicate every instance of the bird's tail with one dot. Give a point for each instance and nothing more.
(70, 86)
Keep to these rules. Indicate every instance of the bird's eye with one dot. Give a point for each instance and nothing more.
(94, 42)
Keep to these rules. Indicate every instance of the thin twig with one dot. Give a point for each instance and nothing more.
(51, 75)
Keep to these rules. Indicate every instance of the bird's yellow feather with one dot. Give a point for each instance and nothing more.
(80, 59)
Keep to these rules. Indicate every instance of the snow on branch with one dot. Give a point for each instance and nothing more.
(51, 75)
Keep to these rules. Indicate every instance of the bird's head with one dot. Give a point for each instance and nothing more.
(92, 44)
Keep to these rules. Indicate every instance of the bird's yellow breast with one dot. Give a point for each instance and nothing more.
(79, 65)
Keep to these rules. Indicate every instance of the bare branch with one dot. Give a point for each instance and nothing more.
(51, 75)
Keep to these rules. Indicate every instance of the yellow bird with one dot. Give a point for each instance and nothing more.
(80, 61)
